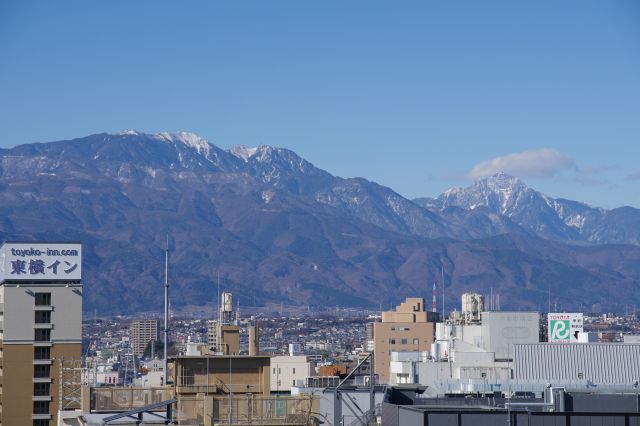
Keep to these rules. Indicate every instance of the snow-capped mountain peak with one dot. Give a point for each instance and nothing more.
(500, 192)
(534, 211)
(502, 181)
(128, 132)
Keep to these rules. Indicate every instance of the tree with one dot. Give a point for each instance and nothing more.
(158, 349)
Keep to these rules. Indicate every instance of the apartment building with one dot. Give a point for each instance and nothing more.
(40, 326)
(408, 328)
(143, 332)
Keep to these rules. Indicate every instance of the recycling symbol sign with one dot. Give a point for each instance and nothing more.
(560, 330)
(565, 328)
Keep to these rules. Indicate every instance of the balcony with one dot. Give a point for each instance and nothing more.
(41, 417)
(42, 380)
(41, 398)
(42, 362)
(43, 308)
(43, 326)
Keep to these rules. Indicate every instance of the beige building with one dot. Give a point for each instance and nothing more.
(408, 328)
(143, 332)
(228, 339)
(40, 326)
(223, 334)
(222, 374)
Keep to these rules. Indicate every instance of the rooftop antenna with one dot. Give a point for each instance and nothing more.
(218, 303)
(166, 309)
(491, 299)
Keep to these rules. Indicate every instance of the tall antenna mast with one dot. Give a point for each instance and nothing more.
(218, 297)
(442, 271)
(166, 310)
(433, 298)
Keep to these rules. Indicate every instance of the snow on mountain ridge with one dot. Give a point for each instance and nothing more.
(187, 138)
(191, 140)
(243, 152)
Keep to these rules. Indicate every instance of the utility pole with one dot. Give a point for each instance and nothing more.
(166, 310)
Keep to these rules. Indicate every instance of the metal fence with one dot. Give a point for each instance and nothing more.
(104, 400)
(245, 410)
(203, 383)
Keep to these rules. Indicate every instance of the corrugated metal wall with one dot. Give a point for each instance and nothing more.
(601, 363)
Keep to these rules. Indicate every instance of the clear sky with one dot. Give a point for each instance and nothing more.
(418, 96)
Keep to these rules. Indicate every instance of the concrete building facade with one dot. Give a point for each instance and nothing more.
(467, 352)
(600, 364)
(408, 328)
(40, 326)
(222, 375)
(289, 371)
(143, 332)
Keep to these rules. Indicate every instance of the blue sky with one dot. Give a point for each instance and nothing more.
(418, 96)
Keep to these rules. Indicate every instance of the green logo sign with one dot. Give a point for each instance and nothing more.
(560, 329)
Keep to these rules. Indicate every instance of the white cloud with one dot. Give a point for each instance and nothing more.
(536, 163)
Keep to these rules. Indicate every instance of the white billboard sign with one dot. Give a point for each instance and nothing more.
(40, 261)
(565, 327)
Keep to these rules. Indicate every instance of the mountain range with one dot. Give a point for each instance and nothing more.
(277, 229)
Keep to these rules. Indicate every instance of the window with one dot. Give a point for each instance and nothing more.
(43, 299)
(416, 341)
(41, 389)
(483, 375)
(392, 341)
(41, 353)
(404, 329)
(41, 422)
(43, 317)
(41, 371)
(42, 335)
(274, 370)
(403, 341)
(294, 370)
(40, 407)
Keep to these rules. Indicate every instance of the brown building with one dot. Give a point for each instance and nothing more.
(409, 328)
(40, 327)
(143, 332)
(333, 370)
